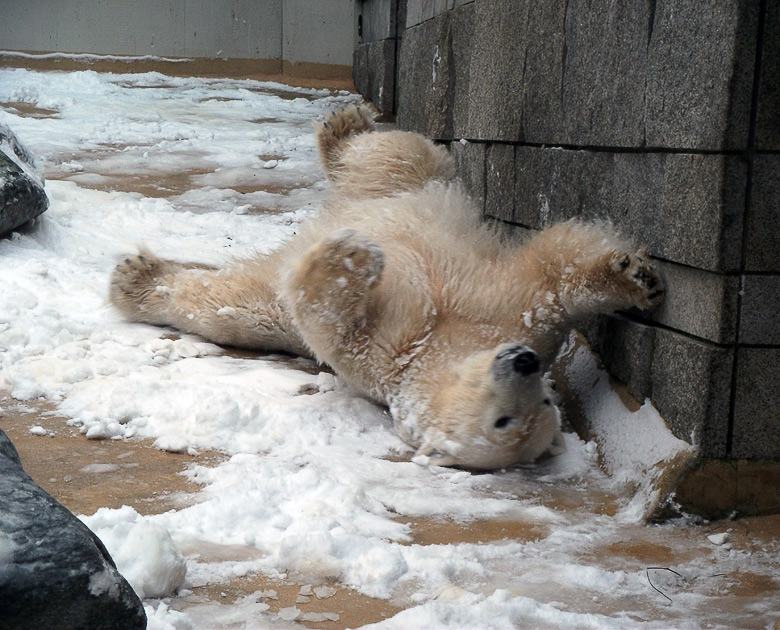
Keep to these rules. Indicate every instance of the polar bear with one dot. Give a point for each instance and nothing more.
(412, 299)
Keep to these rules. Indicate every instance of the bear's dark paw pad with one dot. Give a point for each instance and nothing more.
(645, 284)
(136, 272)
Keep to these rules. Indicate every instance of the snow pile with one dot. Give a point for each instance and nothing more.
(636, 448)
(143, 551)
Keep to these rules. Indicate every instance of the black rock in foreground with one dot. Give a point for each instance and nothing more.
(22, 197)
(54, 572)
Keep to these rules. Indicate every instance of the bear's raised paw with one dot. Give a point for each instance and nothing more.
(639, 278)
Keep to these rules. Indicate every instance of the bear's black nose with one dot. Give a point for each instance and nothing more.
(526, 363)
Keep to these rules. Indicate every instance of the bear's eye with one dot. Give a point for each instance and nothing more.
(547, 402)
(502, 422)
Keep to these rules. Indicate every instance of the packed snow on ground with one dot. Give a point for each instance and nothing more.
(315, 486)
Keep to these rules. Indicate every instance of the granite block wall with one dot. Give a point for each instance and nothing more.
(662, 116)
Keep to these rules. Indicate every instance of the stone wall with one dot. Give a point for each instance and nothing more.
(660, 115)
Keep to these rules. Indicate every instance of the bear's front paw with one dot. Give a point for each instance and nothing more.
(644, 285)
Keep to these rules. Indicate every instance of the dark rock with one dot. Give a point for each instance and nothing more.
(584, 73)
(22, 197)
(423, 83)
(625, 347)
(699, 303)
(498, 52)
(54, 572)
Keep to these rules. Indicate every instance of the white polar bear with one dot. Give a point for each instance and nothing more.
(408, 296)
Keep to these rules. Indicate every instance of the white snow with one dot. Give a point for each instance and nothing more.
(311, 488)
(144, 551)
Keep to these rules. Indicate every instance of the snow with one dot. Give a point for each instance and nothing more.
(148, 557)
(315, 486)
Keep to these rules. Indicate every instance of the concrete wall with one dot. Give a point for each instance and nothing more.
(662, 116)
(311, 31)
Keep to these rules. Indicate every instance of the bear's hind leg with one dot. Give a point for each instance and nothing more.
(237, 305)
(328, 291)
(140, 286)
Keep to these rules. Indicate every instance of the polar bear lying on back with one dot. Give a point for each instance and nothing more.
(401, 289)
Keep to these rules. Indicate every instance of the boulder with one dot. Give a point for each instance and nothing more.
(22, 197)
(54, 572)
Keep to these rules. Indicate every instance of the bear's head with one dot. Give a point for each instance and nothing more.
(496, 411)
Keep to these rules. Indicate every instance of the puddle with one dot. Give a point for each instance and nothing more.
(29, 111)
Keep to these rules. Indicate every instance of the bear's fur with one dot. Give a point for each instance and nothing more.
(408, 296)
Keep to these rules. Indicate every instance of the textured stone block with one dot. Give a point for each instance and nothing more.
(418, 11)
(691, 387)
(433, 74)
(760, 321)
(688, 381)
(379, 20)
(758, 487)
(763, 218)
(585, 71)
(621, 74)
(626, 348)
(700, 74)
(422, 79)
(699, 303)
(470, 165)
(374, 73)
(55, 573)
(686, 208)
(500, 181)
(495, 89)
(756, 420)
(768, 114)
